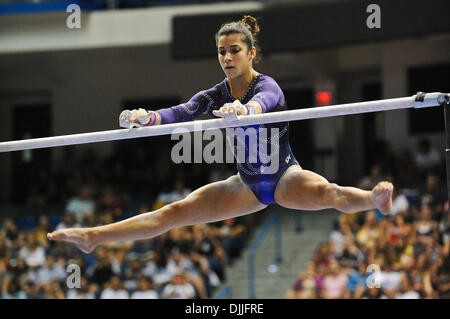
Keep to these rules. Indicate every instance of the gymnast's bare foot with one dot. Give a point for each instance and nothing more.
(382, 197)
(82, 237)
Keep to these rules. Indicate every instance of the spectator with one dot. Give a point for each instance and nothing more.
(334, 284)
(144, 290)
(101, 270)
(42, 230)
(114, 290)
(406, 290)
(13, 290)
(85, 291)
(426, 157)
(208, 246)
(433, 196)
(32, 253)
(307, 286)
(341, 232)
(118, 261)
(68, 222)
(179, 288)
(369, 233)
(158, 268)
(109, 201)
(10, 230)
(369, 182)
(232, 235)
(133, 273)
(425, 226)
(389, 279)
(357, 281)
(53, 290)
(322, 256)
(81, 204)
(400, 203)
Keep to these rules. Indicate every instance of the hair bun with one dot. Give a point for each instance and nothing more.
(251, 23)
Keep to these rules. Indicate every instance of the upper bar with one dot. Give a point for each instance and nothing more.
(429, 99)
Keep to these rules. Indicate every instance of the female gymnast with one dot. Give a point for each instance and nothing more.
(244, 91)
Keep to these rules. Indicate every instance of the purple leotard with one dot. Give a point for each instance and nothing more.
(257, 174)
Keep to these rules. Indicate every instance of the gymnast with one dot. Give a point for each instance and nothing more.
(244, 91)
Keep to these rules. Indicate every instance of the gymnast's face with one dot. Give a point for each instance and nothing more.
(234, 56)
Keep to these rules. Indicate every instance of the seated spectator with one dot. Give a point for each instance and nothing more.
(32, 253)
(132, 274)
(179, 192)
(232, 235)
(40, 233)
(406, 290)
(322, 256)
(101, 271)
(144, 290)
(350, 256)
(114, 290)
(53, 290)
(425, 226)
(369, 182)
(159, 269)
(442, 279)
(13, 290)
(179, 288)
(85, 291)
(68, 222)
(204, 278)
(401, 229)
(373, 293)
(335, 283)
(337, 236)
(307, 286)
(357, 281)
(389, 279)
(10, 230)
(400, 203)
(369, 233)
(118, 261)
(433, 196)
(426, 157)
(109, 201)
(45, 273)
(419, 272)
(82, 204)
(444, 225)
(208, 246)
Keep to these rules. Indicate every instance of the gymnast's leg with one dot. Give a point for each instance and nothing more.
(210, 203)
(306, 190)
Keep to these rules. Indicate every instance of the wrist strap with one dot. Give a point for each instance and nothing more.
(152, 119)
(250, 108)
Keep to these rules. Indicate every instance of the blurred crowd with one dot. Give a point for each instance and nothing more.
(186, 262)
(404, 255)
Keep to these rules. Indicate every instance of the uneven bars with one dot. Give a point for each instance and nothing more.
(419, 100)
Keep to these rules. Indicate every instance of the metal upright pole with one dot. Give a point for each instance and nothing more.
(445, 102)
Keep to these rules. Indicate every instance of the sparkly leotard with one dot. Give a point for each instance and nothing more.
(260, 173)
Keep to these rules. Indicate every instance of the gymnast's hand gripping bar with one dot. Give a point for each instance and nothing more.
(420, 100)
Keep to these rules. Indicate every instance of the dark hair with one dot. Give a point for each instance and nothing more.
(248, 27)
